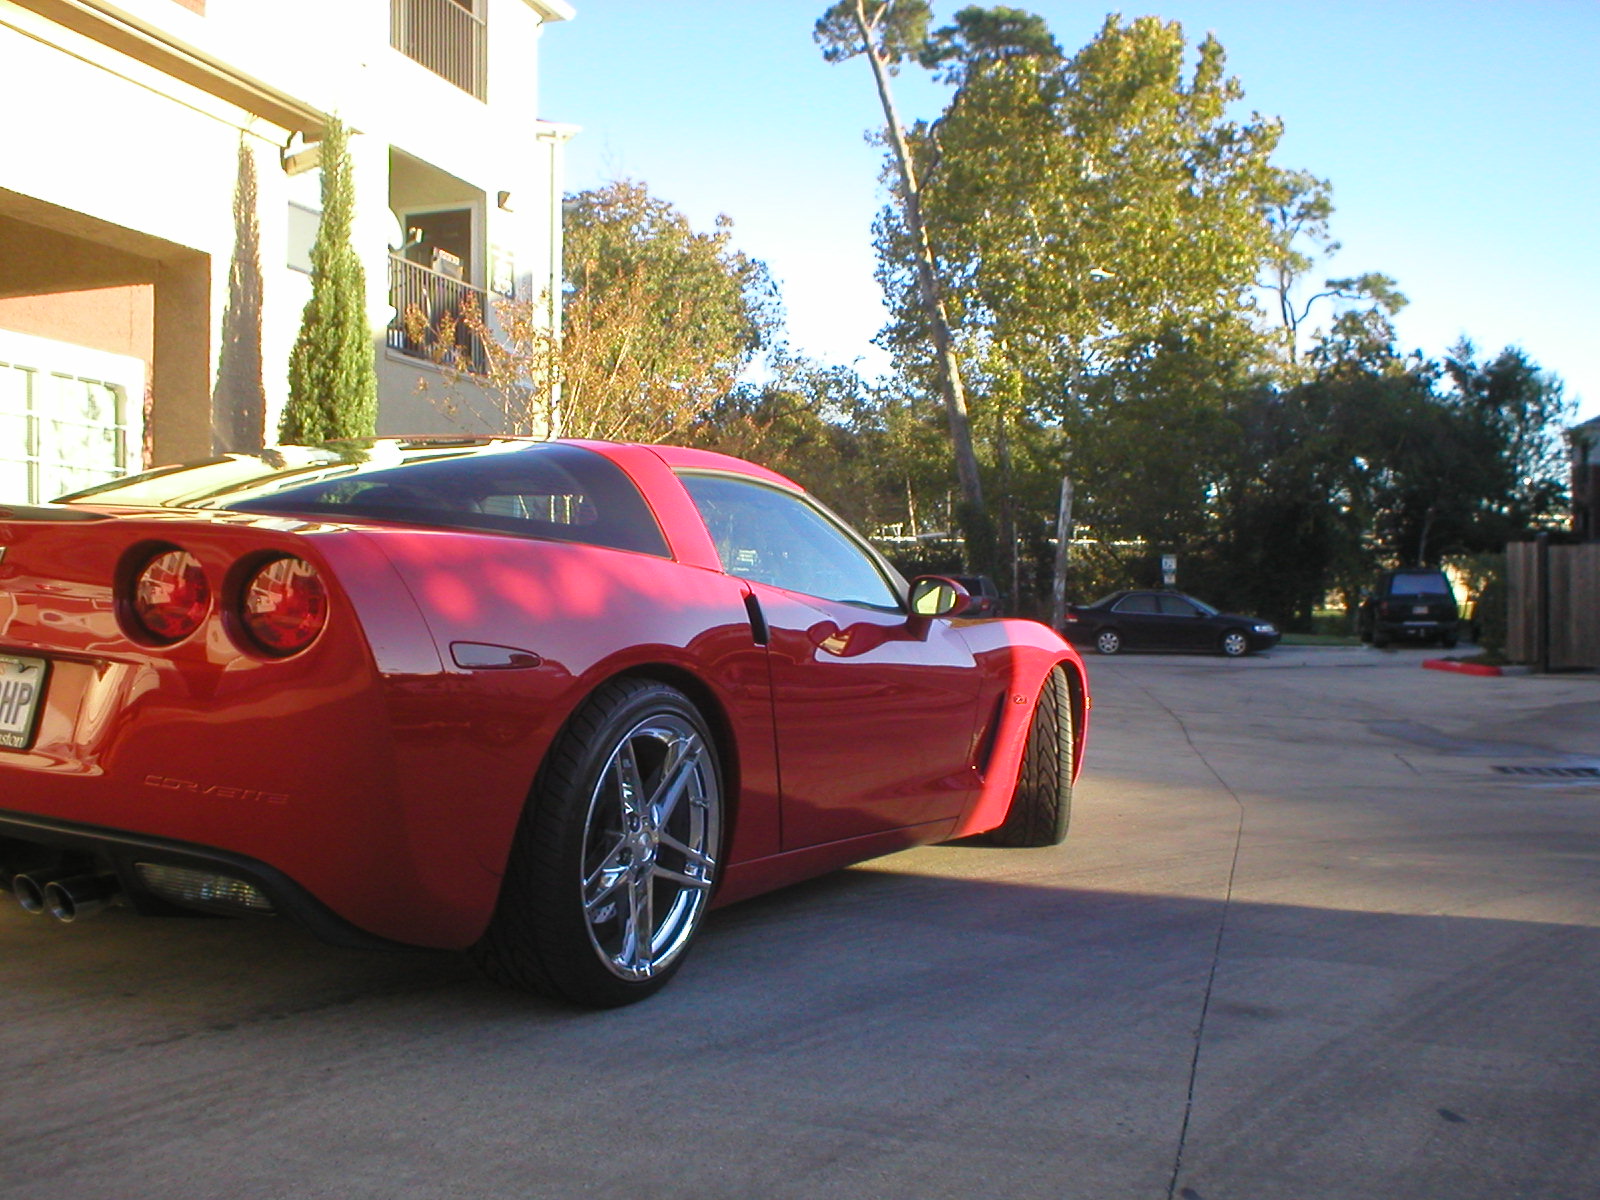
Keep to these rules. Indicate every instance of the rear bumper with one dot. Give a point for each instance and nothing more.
(30, 842)
(1416, 629)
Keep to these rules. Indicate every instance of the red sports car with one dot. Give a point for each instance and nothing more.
(545, 702)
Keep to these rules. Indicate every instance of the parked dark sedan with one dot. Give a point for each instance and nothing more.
(1164, 621)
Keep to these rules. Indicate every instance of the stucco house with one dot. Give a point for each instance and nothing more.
(159, 193)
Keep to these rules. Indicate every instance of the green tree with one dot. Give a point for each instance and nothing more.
(888, 32)
(1523, 410)
(1378, 459)
(1099, 225)
(658, 321)
(801, 421)
(333, 382)
(1299, 207)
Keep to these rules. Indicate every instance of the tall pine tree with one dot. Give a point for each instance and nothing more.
(333, 381)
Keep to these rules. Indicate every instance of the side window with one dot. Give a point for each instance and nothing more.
(772, 536)
(1177, 606)
(1139, 602)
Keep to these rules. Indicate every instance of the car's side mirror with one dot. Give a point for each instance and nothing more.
(936, 596)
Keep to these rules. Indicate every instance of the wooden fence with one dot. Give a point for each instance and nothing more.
(1553, 605)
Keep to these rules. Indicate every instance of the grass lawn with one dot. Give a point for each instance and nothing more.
(1319, 639)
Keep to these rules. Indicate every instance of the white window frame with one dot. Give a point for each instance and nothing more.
(37, 371)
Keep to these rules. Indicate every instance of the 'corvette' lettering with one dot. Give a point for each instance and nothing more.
(215, 791)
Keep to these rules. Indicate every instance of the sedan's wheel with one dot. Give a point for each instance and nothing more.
(1042, 802)
(1234, 643)
(1108, 641)
(617, 854)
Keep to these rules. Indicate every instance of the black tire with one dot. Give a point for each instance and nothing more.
(1234, 643)
(1380, 640)
(1107, 641)
(622, 833)
(1448, 641)
(1041, 805)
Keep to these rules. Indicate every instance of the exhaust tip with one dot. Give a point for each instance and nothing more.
(29, 892)
(68, 900)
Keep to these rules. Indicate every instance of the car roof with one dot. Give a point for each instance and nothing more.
(689, 458)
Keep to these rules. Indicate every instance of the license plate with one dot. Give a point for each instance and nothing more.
(1419, 610)
(21, 694)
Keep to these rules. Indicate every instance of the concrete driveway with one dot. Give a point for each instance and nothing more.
(1307, 938)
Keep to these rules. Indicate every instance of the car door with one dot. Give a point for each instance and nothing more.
(1138, 618)
(875, 716)
(1184, 626)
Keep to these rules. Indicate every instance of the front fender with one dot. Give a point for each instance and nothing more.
(1022, 653)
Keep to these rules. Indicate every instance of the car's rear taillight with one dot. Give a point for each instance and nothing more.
(284, 606)
(170, 596)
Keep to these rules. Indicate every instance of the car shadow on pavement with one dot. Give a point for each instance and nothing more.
(901, 1021)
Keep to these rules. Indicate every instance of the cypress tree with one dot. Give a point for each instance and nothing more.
(333, 379)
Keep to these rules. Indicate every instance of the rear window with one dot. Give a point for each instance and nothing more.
(1419, 583)
(539, 490)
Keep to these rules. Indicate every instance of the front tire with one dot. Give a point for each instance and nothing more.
(1108, 641)
(1235, 644)
(1041, 805)
(616, 855)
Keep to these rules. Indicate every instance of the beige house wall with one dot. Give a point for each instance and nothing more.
(117, 194)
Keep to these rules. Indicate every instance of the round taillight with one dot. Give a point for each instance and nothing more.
(171, 596)
(284, 606)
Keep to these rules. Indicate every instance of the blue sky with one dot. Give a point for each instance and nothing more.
(1462, 141)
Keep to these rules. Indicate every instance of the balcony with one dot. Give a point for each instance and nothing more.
(428, 306)
(447, 37)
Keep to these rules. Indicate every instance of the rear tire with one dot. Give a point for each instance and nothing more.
(1041, 805)
(615, 858)
(1108, 641)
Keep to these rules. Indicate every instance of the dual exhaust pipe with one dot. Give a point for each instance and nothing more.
(67, 898)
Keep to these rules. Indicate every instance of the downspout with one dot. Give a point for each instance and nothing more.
(555, 136)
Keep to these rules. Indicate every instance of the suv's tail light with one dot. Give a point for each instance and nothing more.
(284, 606)
(171, 596)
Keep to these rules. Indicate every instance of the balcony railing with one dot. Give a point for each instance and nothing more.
(445, 36)
(428, 305)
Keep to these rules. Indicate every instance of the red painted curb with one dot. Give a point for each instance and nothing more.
(1461, 668)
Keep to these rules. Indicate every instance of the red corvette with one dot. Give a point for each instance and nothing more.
(545, 702)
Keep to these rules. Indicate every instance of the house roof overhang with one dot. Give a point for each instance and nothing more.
(105, 24)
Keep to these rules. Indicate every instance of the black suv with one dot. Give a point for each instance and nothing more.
(1415, 603)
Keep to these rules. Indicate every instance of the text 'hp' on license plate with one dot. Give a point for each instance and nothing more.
(21, 697)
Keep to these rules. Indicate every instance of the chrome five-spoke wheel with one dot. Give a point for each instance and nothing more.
(650, 844)
(617, 854)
